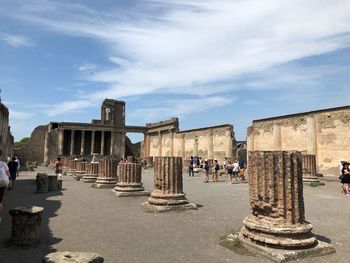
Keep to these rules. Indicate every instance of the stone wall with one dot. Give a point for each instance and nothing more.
(6, 139)
(34, 149)
(215, 142)
(325, 133)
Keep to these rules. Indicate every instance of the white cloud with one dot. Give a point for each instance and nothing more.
(16, 40)
(189, 48)
(86, 67)
(20, 115)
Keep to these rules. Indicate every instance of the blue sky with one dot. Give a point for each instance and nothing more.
(208, 62)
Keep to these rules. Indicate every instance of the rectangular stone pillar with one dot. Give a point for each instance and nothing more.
(102, 143)
(210, 145)
(92, 142)
(72, 142)
(277, 137)
(146, 145)
(171, 144)
(229, 149)
(47, 149)
(183, 137)
(311, 135)
(82, 151)
(60, 142)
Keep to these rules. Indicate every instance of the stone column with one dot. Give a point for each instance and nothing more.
(277, 227)
(107, 173)
(277, 138)
(150, 161)
(183, 137)
(159, 143)
(145, 145)
(129, 180)
(92, 172)
(210, 144)
(277, 203)
(92, 142)
(72, 166)
(102, 143)
(311, 135)
(60, 139)
(80, 170)
(168, 194)
(72, 142)
(47, 149)
(112, 143)
(82, 146)
(309, 168)
(25, 224)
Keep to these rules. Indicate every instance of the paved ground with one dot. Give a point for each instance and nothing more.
(81, 218)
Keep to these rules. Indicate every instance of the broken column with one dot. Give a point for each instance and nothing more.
(25, 224)
(72, 164)
(91, 172)
(168, 192)
(277, 226)
(107, 173)
(150, 161)
(80, 170)
(309, 168)
(129, 180)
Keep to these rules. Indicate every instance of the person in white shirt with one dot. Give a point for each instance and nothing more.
(4, 171)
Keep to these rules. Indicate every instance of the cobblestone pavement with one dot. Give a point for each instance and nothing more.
(81, 218)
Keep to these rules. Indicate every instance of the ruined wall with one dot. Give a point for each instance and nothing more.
(212, 143)
(6, 139)
(325, 133)
(34, 149)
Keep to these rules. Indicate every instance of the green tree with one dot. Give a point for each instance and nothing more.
(22, 143)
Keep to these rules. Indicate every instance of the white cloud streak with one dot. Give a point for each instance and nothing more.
(191, 48)
(16, 40)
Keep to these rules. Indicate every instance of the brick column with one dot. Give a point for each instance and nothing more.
(102, 143)
(82, 145)
(277, 203)
(309, 168)
(129, 180)
(92, 142)
(107, 173)
(91, 172)
(168, 194)
(80, 170)
(72, 142)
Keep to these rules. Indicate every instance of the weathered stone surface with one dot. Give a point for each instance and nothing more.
(42, 183)
(73, 257)
(72, 164)
(91, 172)
(168, 189)
(80, 170)
(129, 180)
(276, 199)
(309, 168)
(25, 224)
(107, 173)
(53, 183)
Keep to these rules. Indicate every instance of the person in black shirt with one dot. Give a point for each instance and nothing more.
(13, 168)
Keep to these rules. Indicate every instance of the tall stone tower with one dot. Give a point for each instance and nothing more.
(113, 112)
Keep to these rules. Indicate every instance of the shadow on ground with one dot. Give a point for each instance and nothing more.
(25, 195)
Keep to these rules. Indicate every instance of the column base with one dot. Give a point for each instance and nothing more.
(167, 208)
(130, 194)
(105, 182)
(71, 172)
(310, 179)
(88, 178)
(78, 175)
(283, 255)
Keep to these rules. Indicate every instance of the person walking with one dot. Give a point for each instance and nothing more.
(190, 167)
(13, 168)
(59, 171)
(235, 170)
(216, 171)
(346, 178)
(206, 171)
(229, 170)
(4, 181)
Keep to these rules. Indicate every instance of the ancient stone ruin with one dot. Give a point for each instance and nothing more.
(129, 180)
(168, 187)
(107, 173)
(91, 173)
(309, 168)
(277, 225)
(79, 173)
(26, 223)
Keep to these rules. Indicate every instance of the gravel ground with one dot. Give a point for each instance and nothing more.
(81, 218)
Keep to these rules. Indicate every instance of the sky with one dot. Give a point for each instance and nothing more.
(207, 62)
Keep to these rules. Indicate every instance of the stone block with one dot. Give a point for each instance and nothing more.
(73, 257)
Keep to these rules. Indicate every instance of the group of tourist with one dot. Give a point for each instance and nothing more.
(233, 169)
(345, 177)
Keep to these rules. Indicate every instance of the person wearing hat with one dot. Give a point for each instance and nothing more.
(346, 178)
